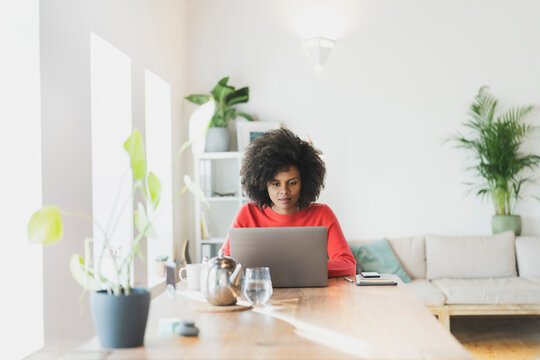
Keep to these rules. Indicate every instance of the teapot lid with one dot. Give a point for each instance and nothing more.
(223, 261)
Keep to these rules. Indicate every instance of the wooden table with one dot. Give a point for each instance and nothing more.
(341, 321)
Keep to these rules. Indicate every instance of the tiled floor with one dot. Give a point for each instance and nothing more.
(503, 337)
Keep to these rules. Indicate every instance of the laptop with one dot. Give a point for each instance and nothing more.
(296, 256)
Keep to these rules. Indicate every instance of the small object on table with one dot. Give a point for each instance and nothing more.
(168, 325)
(257, 285)
(370, 274)
(385, 279)
(187, 328)
(170, 290)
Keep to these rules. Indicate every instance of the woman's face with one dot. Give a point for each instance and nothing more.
(284, 190)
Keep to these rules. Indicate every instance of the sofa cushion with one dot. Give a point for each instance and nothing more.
(411, 253)
(500, 291)
(426, 292)
(527, 253)
(378, 256)
(470, 256)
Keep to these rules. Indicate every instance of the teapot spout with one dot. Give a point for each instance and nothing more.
(236, 276)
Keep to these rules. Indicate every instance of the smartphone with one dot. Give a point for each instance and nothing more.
(370, 274)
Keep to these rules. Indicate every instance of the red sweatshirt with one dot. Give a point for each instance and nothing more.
(341, 261)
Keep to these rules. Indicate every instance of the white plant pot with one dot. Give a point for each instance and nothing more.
(217, 139)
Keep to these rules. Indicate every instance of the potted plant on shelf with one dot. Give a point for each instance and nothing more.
(224, 97)
(159, 265)
(494, 143)
(119, 311)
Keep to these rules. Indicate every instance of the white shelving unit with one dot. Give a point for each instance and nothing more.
(218, 175)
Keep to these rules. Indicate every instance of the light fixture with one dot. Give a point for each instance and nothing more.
(318, 49)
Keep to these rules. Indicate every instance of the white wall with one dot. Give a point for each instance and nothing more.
(397, 84)
(66, 164)
(21, 264)
(152, 34)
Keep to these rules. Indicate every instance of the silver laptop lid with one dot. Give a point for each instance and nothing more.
(296, 256)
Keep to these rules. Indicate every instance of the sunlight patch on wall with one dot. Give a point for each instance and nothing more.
(159, 158)
(111, 125)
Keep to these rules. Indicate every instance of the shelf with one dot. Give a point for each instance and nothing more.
(216, 173)
(219, 155)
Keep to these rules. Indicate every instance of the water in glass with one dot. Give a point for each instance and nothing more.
(257, 285)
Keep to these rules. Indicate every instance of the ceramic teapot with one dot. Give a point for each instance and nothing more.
(221, 280)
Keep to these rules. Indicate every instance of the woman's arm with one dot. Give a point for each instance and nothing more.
(341, 260)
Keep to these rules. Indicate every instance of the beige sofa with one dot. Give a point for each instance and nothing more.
(475, 275)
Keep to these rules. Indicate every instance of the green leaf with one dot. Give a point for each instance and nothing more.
(45, 226)
(217, 121)
(245, 116)
(224, 81)
(135, 148)
(220, 92)
(154, 188)
(238, 97)
(81, 274)
(198, 99)
(142, 223)
(230, 114)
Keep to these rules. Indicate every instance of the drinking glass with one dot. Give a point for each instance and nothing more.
(257, 285)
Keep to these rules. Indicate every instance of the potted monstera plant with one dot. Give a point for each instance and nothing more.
(494, 143)
(119, 311)
(225, 98)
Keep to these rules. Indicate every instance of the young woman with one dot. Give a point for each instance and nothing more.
(283, 176)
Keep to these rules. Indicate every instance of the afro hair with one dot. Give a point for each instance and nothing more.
(276, 151)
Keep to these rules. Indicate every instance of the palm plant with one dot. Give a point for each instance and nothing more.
(494, 144)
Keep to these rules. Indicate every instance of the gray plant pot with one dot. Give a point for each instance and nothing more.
(502, 223)
(120, 321)
(217, 139)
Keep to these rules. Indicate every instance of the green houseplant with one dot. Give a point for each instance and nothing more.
(494, 145)
(225, 98)
(119, 311)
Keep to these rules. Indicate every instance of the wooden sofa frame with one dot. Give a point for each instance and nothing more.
(444, 312)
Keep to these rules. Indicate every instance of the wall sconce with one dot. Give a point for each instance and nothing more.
(318, 49)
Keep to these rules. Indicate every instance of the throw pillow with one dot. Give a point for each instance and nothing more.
(378, 256)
